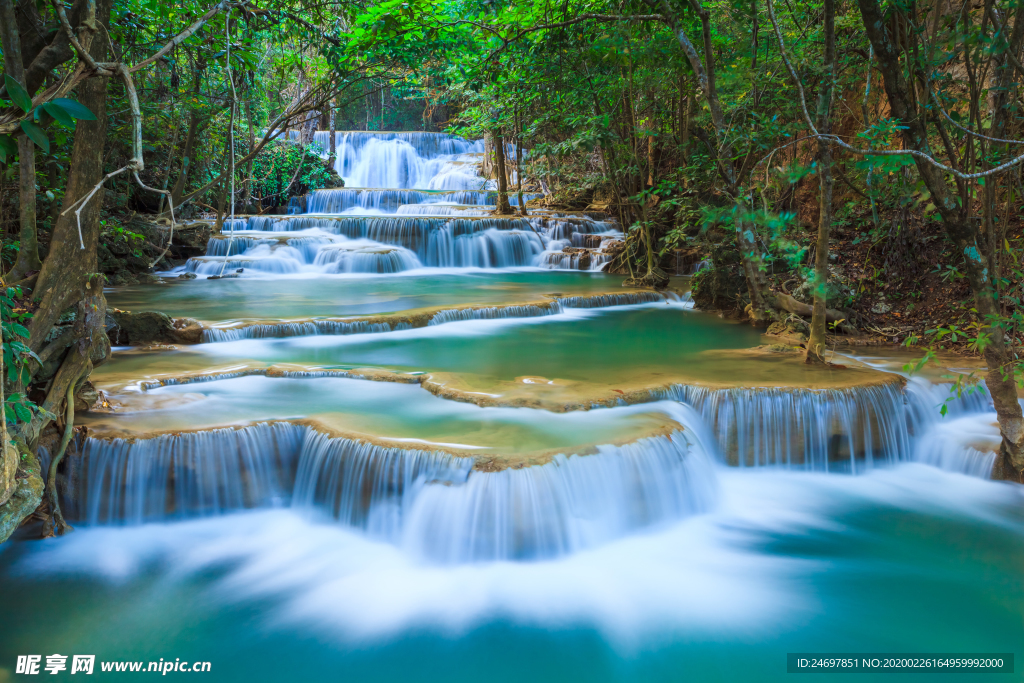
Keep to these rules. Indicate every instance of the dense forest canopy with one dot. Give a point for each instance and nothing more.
(831, 165)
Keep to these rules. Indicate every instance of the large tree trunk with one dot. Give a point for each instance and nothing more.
(64, 274)
(28, 252)
(499, 162)
(817, 341)
(962, 231)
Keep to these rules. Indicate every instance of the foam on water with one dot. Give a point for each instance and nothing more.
(720, 575)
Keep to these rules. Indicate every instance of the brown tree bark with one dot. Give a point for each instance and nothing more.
(816, 343)
(28, 252)
(333, 150)
(519, 165)
(499, 161)
(64, 274)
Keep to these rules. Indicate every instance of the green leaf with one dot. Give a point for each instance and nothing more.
(75, 109)
(18, 94)
(8, 147)
(23, 413)
(59, 113)
(36, 135)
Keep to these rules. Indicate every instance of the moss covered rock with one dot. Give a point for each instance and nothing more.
(28, 493)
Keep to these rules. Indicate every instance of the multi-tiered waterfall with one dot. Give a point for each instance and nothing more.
(412, 200)
(439, 450)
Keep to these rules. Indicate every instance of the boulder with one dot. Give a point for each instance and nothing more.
(148, 327)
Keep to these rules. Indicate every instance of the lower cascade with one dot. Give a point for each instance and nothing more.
(430, 502)
(439, 506)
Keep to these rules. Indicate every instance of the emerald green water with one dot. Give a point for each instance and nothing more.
(599, 346)
(377, 409)
(285, 298)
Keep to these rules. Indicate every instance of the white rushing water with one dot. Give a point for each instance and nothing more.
(412, 200)
(779, 549)
(434, 506)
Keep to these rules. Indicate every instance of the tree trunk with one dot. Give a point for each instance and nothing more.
(64, 274)
(247, 196)
(186, 158)
(757, 283)
(962, 232)
(499, 161)
(519, 167)
(333, 156)
(28, 252)
(817, 342)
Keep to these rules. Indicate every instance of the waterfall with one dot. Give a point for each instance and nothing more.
(849, 429)
(176, 476)
(370, 259)
(428, 501)
(299, 329)
(492, 313)
(369, 486)
(819, 429)
(405, 160)
(966, 439)
(416, 191)
(228, 246)
(624, 299)
(563, 506)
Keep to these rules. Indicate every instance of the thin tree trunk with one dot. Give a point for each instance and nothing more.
(170, 161)
(247, 197)
(519, 166)
(332, 157)
(817, 341)
(186, 158)
(194, 121)
(499, 161)
(28, 252)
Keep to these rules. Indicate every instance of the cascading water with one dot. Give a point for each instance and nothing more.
(414, 192)
(429, 502)
(818, 429)
(966, 439)
(185, 475)
(849, 429)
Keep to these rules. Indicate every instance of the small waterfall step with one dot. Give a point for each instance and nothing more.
(434, 504)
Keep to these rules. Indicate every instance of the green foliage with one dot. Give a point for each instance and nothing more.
(16, 354)
(276, 165)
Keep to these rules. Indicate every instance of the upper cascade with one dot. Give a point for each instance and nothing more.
(405, 160)
(411, 200)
